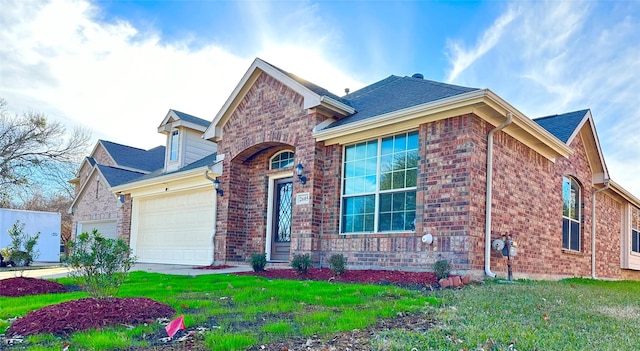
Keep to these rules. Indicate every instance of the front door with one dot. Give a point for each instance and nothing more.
(281, 231)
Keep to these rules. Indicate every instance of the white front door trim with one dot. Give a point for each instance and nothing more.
(272, 180)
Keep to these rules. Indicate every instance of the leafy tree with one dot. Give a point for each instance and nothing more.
(35, 150)
(22, 249)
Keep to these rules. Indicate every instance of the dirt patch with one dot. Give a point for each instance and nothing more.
(23, 286)
(87, 313)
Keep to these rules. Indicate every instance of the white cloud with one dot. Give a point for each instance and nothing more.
(558, 57)
(462, 58)
(61, 59)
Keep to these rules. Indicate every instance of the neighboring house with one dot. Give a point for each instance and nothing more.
(109, 164)
(381, 169)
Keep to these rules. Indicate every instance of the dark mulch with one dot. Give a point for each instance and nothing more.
(22, 286)
(88, 313)
(214, 267)
(364, 276)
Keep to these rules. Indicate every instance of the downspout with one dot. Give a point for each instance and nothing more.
(593, 228)
(215, 219)
(487, 219)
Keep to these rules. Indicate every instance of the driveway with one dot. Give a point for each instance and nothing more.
(54, 270)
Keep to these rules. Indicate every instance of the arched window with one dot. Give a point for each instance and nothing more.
(283, 159)
(571, 214)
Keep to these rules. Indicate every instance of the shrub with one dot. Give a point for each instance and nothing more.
(99, 265)
(338, 264)
(22, 249)
(441, 268)
(258, 261)
(301, 263)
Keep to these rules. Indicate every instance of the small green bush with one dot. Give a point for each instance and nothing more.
(22, 249)
(258, 261)
(301, 263)
(338, 264)
(441, 268)
(99, 265)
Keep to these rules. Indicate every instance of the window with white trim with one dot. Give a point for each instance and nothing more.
(635, 230)
(283, 159)
(571, 197)
(379, 185)
(173, 146)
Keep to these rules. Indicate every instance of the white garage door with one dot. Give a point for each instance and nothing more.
(176, 228)
(106, 228)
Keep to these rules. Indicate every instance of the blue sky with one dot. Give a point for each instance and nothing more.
(117, 67)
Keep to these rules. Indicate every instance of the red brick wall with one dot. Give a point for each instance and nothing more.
(270, 118)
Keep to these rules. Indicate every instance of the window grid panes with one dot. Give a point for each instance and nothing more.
(635, 230)
(282, 160)
(570, 214)
(173, 153)
(379, 180)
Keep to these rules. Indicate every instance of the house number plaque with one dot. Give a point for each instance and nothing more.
(302, 199)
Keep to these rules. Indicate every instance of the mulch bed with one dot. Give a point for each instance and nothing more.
(364, 276)
(23, 286)
(88, 313)
(214, 267)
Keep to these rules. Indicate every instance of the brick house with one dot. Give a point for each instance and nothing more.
(110, 164)
(398, 175)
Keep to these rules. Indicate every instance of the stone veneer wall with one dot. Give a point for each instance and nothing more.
(96, 203)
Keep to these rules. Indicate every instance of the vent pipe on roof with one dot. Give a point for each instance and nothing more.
(417, 75)
(346, 91)
(487, 218)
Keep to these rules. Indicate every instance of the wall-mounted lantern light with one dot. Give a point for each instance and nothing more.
(299, 171)
(216, 185)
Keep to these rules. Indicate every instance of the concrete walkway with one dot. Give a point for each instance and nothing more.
(55, 270)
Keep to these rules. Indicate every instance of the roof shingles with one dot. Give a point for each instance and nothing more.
(562, 126)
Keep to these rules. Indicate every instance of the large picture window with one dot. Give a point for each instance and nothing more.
(379, 185)
(635, 230)
(571, 197)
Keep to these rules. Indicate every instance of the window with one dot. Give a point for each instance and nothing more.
(173, 146)
(379, 185)
(571, 214)
(283, 159)
(635, 230)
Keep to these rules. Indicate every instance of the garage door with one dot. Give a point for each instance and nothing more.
(176, 228)
(106, 228)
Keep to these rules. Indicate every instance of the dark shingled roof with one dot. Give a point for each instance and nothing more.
(205, 161)
(117, 176)
(562, 126)
(193, 119)
(396, 93)
(313, 87)
(131, 157)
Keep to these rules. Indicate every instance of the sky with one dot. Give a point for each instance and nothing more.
(117, 67)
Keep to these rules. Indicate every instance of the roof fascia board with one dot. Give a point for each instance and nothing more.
(386, 119)
(170, 114)
(596, 140)
(530, 127)
(105, 150)
(258, 67)
(83, 187)
(166, 126)
(618, 189)
(336, 106)
(134, 186)
(452, 106)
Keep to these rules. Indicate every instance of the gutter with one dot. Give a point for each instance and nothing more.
(487, 222)
(215, 218)
(593, 228)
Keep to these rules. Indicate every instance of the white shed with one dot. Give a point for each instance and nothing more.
(47, 223)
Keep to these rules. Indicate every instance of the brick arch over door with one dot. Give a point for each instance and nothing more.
(242, 212)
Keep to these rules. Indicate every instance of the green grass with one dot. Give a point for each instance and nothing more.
(240, 311)
(574, 314)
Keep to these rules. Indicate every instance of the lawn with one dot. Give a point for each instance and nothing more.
(239, 311)
(574, 314)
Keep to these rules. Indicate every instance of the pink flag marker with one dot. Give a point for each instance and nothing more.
(175, 325)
